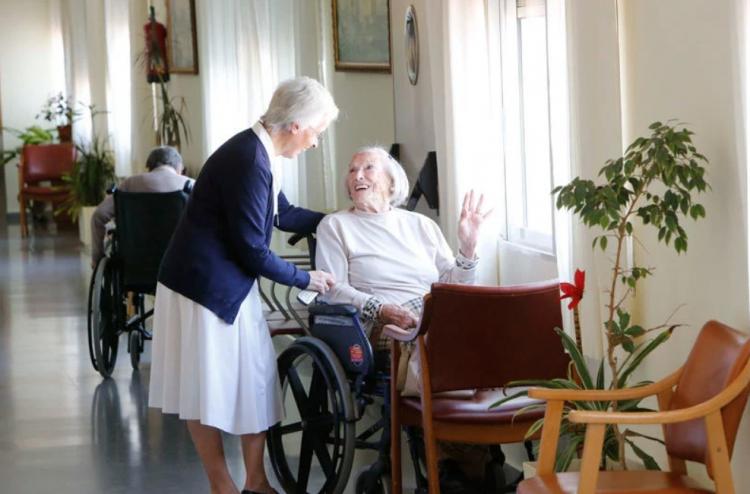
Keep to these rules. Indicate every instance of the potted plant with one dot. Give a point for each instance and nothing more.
(654, 182)
(93, 172)
(172, 126)
(29, 136)
(62, 113)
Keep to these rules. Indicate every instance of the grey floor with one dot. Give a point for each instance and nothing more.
(63, 429)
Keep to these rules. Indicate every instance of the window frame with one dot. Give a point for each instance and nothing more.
(512, 13)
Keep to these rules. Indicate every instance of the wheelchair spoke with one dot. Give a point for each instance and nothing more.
(305, 461)
(290, 428)
(321, 453)
(298, 391)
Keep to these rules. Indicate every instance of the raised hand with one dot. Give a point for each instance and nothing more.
(470, 223)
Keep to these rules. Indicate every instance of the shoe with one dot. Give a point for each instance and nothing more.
(452, 479)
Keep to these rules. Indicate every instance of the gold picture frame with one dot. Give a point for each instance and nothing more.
(182, 41)
(362, 35)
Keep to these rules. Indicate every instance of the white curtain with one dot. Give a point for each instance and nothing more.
(585, 113)
(119, 82)
(77, 78)
(467, 115)
(247, 49)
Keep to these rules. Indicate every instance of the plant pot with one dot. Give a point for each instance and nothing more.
(84, 225)
(65, 133)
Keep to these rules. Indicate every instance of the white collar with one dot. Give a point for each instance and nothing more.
(276, 166)
(265, 139)
(165, 167)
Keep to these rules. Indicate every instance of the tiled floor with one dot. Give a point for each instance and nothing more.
(63, 429)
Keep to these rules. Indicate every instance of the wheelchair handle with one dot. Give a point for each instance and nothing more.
(294, 239)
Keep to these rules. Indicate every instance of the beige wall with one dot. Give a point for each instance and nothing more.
(414, 120)
(365, 100)
(187, 86)
(679, 60)
(25, 74)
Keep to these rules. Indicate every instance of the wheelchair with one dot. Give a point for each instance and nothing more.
(332, 375)
(144, 222)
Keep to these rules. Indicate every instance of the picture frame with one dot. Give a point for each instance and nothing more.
(361, 35)
(182, 41)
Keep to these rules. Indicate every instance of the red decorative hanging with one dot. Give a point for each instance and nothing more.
(157, 68)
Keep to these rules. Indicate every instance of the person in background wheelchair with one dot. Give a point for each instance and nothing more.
(385, 259)
(164, 165)
(213, 362)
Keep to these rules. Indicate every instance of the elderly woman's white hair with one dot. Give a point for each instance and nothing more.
(302, 100)
(400, 188)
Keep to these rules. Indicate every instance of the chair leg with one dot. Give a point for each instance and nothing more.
(430, 447)
(395, 441)
(22, 216)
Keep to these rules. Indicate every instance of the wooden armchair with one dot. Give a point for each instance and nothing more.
(480, 338)
(43, 163)
(702, 404)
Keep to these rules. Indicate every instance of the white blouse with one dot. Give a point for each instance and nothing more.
(394, 256)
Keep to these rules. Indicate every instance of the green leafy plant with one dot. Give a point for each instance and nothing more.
(93, 172)
(653, 182)
(172, 126)
(29, 136)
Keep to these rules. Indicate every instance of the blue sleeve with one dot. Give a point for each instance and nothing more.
(297, 220)
(246, 200)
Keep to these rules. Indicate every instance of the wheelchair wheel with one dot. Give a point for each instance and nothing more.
(135, 347)
(104, 317)
(89, 318)
(318, 433)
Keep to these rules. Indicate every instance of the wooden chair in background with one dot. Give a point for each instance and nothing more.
(476, 338)
(701, 406)
(40, 164)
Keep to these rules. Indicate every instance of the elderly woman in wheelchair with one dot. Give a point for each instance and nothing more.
(384, 259)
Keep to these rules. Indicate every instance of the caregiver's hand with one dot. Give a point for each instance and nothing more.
(320, 281)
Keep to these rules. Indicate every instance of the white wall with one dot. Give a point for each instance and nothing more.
(26, 79)
(679, 61)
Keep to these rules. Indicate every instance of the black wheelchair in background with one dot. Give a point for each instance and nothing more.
(144, 223)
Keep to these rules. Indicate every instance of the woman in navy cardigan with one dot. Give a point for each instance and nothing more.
(213, 361)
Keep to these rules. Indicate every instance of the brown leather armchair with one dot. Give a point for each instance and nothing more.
(475, 338)
(701, 406)
(43, 163)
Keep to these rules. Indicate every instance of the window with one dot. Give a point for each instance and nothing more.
(525, 88)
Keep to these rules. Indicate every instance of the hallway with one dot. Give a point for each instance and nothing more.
(63, 428)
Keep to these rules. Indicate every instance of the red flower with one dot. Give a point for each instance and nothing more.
(574, 291)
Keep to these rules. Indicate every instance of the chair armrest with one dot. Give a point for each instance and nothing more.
(605, 394)
(332, 310)
(400, 334)
(700, 410)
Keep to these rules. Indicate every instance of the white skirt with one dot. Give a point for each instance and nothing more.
(202, 368)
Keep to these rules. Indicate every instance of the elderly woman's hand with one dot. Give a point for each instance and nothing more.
(395, 314)
(320, 281)
(470, 223)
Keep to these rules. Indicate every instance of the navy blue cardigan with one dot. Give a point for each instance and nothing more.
(221, 244)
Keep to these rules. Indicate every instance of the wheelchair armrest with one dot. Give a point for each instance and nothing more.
(320, 309)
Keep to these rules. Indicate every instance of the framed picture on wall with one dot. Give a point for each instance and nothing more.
(182, 43)
(361, 35)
